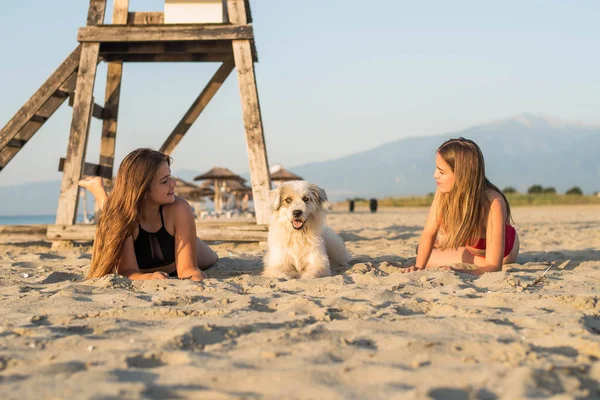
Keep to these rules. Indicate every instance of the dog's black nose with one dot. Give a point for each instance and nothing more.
(296, 213)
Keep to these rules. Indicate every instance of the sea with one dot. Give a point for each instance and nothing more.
(30, 219)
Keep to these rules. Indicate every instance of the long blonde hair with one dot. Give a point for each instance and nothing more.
(462, 211)
(122, 209)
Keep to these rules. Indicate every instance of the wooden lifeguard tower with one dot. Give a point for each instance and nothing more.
(188, 30)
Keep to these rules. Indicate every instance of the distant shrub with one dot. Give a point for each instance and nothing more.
(549, 190)
(430, 194)
(575, 191)
(535, 189)
(509, 190)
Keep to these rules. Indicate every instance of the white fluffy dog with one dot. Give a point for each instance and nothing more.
(300, 245)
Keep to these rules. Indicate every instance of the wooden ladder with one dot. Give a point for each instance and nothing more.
(36, 111)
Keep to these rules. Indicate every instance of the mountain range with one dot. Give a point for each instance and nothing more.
(519, 152)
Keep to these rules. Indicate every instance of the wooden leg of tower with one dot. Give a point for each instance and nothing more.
(112, 97)
(75, 159)
(109, 123)
(255, 140)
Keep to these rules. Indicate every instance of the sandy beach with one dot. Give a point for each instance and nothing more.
(368, 332)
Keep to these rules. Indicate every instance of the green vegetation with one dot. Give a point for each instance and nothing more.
(549, 199)
(514, 199)
(535, 189)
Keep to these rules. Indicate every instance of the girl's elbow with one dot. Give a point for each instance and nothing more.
(494, 267)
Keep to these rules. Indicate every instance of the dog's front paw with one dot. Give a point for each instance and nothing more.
(316, 273)
(280, 273)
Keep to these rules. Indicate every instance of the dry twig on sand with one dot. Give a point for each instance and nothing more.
(541, 277)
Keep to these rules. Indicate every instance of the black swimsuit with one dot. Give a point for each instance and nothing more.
(155, 249)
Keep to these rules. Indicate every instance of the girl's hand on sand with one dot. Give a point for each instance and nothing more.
(160, 275)
(196, 276)
(412, 268)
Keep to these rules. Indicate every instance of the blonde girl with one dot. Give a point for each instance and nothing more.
(469, 219)
(144, 230)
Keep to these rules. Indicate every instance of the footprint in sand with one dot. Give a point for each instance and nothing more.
(50, 256)
(26, 264)
(56, 277)
(152, 360)
(144, 361)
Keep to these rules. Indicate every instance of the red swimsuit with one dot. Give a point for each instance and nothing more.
(509, 241)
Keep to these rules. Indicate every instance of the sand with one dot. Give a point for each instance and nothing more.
(368, 332)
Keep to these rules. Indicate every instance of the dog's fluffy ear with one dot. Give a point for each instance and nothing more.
(275, 198)
(320, 196)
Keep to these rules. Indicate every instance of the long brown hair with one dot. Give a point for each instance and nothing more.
(122, 209)
(462, 211)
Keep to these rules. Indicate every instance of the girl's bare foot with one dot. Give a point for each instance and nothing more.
(95, 185)
(91, 183)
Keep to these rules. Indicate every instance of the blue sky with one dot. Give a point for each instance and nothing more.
(334, 77)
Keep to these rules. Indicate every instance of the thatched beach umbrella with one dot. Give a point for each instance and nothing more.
(239, 190)
(190, 191)
(219, 176)
(280, 175)
(182, 187)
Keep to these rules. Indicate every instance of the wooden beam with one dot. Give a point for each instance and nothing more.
(80, 124)
(213, 46)
(97, 110)
(38, 118)
(76, 150)
(164, 33)
(30, 128)
(112, 97)
(255, 139)
(96, 12)
(206, 233)
(120, 12)
(16, 143)
(90, 169)
(177, 57)
(40, 97)
(34, 230)
(145, 18)
(197, 107)
(248, 11)
(61, 94)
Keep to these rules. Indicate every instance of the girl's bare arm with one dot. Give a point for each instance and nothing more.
(428, 235)
(186, 258)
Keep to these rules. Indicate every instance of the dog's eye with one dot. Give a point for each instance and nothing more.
(305, 199)
(288, 200)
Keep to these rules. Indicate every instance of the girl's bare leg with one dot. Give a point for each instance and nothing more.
(440, 258)
(95, 185)
(206, 256)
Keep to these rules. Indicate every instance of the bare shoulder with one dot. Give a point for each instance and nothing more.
(180, 204)
(496, 200)
(180, 208)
